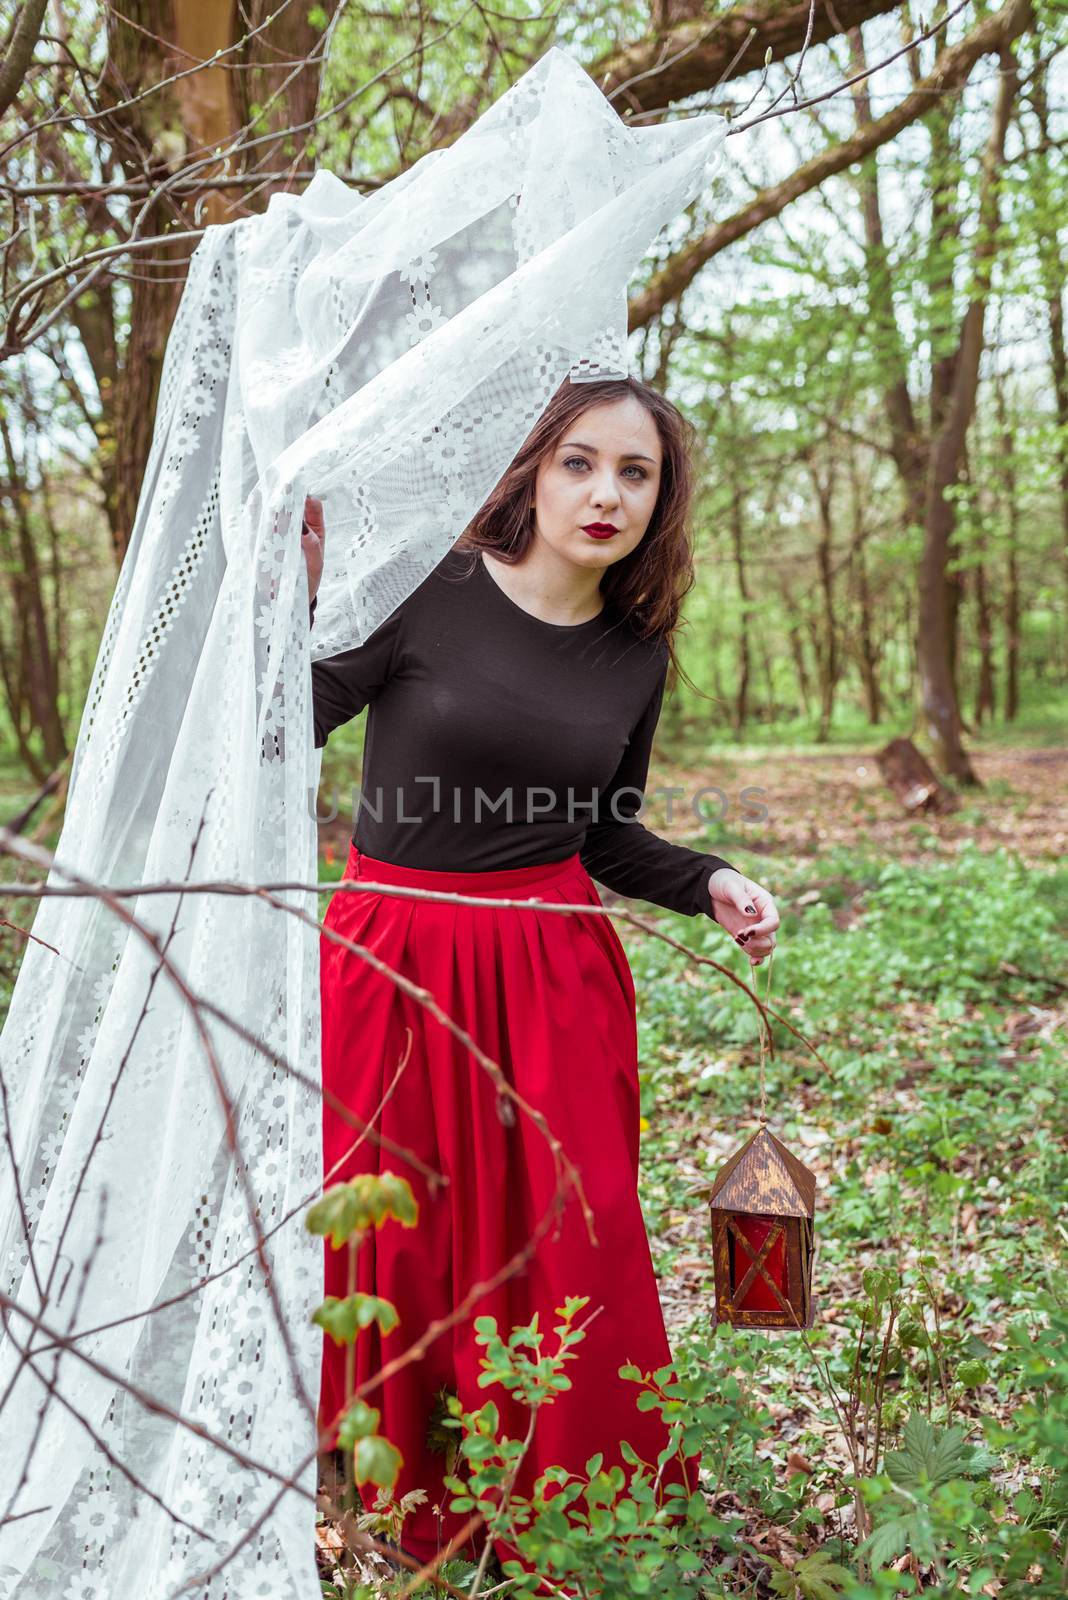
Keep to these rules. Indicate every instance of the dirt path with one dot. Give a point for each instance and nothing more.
(817, 801)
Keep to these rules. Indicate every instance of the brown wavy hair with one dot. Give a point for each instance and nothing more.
(646, 587)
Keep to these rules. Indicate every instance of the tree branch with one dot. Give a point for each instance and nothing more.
(950, 71)
(661, 68)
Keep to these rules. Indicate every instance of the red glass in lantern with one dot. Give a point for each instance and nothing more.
(760, 1296)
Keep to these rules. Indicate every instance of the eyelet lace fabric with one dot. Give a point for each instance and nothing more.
(388, 352)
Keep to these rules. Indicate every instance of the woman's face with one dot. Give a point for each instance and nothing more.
(605, 470)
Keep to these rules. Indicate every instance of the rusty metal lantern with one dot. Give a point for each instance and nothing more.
(762, 1203)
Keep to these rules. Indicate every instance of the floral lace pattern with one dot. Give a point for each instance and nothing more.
(389, 353)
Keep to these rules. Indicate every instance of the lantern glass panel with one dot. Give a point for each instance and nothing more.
(759, 1296)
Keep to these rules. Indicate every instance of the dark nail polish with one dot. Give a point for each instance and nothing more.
(751, 910)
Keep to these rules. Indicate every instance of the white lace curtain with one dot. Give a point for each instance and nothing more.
(388, 352)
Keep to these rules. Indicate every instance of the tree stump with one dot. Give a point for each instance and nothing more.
(913, 780)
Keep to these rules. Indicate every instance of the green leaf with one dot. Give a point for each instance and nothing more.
(343, 1319)
(359, 1421)
(819, 1577)
(879, 1282)
(929, 1456)
(891, 1539)
(972, 1373)
(336, 1215)
(377, 1461)
(781, 1581)
(348, 1210)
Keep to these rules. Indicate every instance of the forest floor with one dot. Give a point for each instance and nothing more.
(816, 801)
(925, 960)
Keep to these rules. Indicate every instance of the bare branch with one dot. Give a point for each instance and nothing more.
(702, 58)
(952, 69)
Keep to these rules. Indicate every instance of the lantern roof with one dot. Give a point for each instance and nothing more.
(764, 1177)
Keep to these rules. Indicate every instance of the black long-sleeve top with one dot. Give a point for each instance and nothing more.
(495, 739)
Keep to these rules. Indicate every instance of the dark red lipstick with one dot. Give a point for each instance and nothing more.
(600, 530)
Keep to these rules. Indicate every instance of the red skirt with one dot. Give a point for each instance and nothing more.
(550, 998)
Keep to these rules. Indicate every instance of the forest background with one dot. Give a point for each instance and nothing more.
(865, 319)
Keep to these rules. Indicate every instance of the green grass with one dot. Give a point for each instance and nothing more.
(1051, 890)
(697, 726)
(937, 1131)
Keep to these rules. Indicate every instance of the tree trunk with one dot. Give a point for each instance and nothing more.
(668, 330)
(288, 51)
(797, 650)
(1010, 514)
(200, 112)
(955, 597)
(943, 256)
(29, 668)
(910, 687)
(829, 662)
(151, 137)
(1051, 268)
(984, 694)
(737, 486)
(1012, 636)
(867, 655)
(827, 655)
(771, 707)
(18, 52)
(153, 303)
(907, 444)
(741, 695)
(938, 690)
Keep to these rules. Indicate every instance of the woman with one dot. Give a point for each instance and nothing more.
(513, 700)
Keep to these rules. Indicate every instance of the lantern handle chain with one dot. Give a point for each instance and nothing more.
(764, 1029)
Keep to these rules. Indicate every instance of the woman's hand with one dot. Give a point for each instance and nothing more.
(313, 543)
(747, 911)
